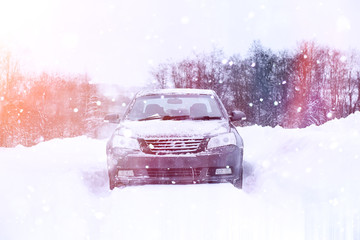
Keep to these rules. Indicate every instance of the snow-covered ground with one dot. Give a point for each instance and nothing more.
(299, 184)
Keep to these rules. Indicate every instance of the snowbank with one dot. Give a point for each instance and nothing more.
(299, 184)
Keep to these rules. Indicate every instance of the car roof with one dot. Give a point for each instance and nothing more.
(174, 91)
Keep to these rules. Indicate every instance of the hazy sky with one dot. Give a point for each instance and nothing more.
(118, 41)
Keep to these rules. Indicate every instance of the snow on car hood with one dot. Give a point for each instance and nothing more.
(161, 128)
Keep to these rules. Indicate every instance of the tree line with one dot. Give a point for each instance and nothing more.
(40, 107)
(294, 89)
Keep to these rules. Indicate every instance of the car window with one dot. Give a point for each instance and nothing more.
(193, 106)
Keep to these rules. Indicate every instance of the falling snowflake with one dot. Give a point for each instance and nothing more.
(99, 215)
(334, 202)
(185, 20)
(299, 109)
(305, 56)
(98, 103)
(251, 104)
(276, 103)
(76, 110)
(343, 59)
(253, 64)
(251, 15)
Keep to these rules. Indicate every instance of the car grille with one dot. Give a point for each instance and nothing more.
(173, 172)
(173, 145)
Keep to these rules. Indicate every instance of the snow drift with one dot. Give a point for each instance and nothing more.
(299, 184)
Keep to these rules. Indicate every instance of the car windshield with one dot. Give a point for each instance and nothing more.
(175, 107)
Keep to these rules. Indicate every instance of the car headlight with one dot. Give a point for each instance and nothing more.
(119, 141)
(222, 140)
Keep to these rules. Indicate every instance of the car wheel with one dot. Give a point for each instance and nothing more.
(112, 183)
(238, 182)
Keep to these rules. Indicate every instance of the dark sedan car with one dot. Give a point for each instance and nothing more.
(175, 136)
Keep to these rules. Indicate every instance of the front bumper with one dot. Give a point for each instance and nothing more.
(184, 168)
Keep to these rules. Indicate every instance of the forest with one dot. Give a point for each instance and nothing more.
(293, 89)
(309, 85)
(39, 107)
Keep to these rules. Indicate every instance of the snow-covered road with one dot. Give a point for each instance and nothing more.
(299, 184)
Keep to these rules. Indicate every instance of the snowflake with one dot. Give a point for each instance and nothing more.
(343, 59)
(185, 20)
(251, 15)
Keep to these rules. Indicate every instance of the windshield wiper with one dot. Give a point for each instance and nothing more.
(181, 117)
(206, 118)
(166, 117)
(152, 117)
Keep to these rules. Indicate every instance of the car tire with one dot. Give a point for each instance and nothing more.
(238, 183)
(112, 183)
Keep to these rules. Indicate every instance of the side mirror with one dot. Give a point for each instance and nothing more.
(112, 118)
(237, 115)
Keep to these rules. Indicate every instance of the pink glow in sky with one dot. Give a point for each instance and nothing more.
(118, 41)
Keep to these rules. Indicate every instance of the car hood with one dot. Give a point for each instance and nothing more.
(171, 128)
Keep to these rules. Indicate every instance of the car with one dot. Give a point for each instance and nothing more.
(175, 136)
